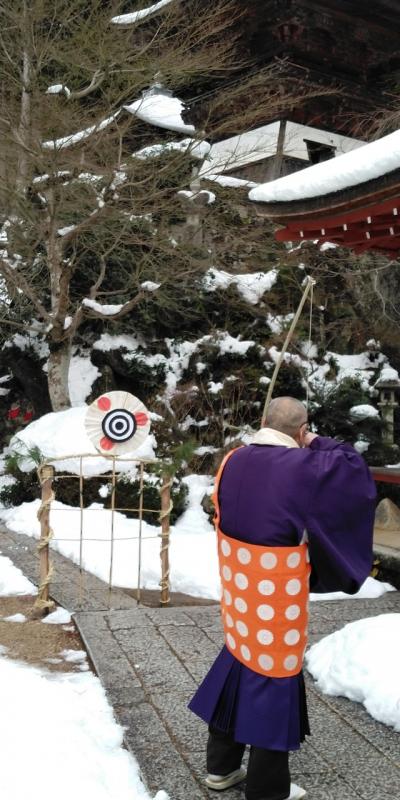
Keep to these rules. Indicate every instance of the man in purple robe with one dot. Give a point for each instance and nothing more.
(289, 486)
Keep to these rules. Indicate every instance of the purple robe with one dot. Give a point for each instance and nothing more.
(269, 495)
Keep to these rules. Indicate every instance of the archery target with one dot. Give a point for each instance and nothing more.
(117, 423)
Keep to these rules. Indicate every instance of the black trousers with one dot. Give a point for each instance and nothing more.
(268, 776)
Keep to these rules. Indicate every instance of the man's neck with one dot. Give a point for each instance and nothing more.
(273, 437)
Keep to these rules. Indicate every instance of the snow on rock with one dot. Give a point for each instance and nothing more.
(12, 580)
(363, 411)
(251, 286)
(80, 136)
(58, 617)
(361, 662)
(388, 374)
(62, 433)
(370, 589)
(83, 743)
(361, 445)
(136, 16)
(159, 108)
(15, 618)
(350, 169)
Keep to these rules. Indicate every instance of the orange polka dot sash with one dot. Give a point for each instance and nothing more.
(264, 602)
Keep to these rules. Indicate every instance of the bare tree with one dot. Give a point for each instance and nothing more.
(93, 152)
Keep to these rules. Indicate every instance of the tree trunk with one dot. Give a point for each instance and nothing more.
(57, 376)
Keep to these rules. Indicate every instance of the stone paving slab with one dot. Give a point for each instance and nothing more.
(71, 588)
(151, 661)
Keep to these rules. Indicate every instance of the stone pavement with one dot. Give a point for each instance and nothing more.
(150, 662)
(70, 587)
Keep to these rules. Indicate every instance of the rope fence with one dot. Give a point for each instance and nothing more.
(47, 477)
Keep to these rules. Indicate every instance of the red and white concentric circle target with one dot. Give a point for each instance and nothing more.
(117, 423)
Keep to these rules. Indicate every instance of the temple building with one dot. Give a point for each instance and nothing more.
(353, 200)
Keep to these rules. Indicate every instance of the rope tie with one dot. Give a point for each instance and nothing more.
(40, 603)
(164, 582)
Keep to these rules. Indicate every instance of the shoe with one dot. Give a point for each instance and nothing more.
(296, 792)
(221, 782)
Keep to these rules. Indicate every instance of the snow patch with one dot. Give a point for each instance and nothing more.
(361, 662)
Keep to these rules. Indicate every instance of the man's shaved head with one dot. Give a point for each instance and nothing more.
(285, 414)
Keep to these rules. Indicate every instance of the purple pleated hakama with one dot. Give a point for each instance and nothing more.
(328, 491)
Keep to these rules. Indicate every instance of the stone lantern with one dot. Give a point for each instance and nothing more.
(388, 385)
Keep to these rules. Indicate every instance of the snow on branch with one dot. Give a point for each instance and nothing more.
(80, 136)
(113, 310)
(195, 148)
(136, 16)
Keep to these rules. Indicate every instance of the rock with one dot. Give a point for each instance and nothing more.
(387, 518)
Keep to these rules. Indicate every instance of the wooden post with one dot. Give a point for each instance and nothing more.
(166, 507)
(42, 603)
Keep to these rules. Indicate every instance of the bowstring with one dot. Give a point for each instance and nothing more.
(310, 321)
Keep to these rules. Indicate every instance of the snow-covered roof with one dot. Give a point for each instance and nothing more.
(252, 146)
(160, 108)
(350, 169)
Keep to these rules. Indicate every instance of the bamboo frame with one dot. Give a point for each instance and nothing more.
(47, 477)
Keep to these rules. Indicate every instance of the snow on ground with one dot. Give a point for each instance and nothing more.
(193, 553)
(361, 662)
(63, 433)
(63, 722)
(12, 580)
(371, 588)
(350, 169)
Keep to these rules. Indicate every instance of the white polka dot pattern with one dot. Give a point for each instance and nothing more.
(264, 605)
(227, 597)
(241, 581)
(242, 628)
(265, 636)
(266, 587)
(291, 662)
(265, 612)
(245, 652)
(225, 547)
(293, 560)
(268, 560)
(244, 555)
(293, 586)
(292, 637)
(266, 662)
(292, 612)
(240, 605)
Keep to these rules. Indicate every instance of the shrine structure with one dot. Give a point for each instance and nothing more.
(352, 200)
